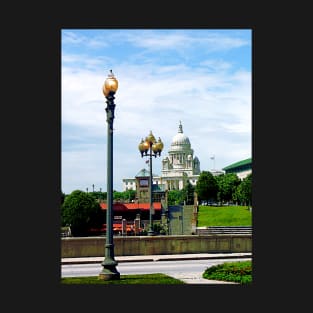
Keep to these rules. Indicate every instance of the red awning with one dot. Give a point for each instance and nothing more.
(122, 207)
(117, 207)
(143, 206)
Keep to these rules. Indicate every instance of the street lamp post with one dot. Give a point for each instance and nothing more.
(109, 271)
(154, 147)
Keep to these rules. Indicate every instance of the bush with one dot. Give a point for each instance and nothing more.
(239, 272)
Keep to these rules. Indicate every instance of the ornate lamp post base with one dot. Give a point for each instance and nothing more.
(109, 272)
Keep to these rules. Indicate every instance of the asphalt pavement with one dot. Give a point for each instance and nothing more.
(188, 277)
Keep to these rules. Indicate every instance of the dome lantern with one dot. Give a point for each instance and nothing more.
(110, 85)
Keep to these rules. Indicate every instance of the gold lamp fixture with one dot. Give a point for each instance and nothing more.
(150, 142)
(150, 138)
(110, 85)
(143, 147)
(157, 147)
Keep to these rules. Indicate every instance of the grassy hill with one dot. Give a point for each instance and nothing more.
(224, 216)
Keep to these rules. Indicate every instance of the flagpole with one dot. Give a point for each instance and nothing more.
(213, 158)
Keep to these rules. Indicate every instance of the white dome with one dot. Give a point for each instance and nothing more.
(180, 140)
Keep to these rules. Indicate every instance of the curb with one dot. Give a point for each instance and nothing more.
(124, 259)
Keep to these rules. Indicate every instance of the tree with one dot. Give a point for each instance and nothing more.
(174, 197)
(81, 211)
(227, 184)
(118, 195)
(188, 193)
(243, 192)
(206, 187)
(99, 195)
(127, 195)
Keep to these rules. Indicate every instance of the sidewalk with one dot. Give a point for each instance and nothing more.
(164, 257)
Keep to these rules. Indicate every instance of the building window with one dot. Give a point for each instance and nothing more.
(144, 182)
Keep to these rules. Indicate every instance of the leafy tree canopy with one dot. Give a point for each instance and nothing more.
(227, 184)
(81, 211)
(207, 187)
(127, 195)
(243, 192)
(174, 197)
(188, 193)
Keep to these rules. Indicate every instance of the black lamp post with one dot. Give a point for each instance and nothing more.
(154, 147)
(109, 271)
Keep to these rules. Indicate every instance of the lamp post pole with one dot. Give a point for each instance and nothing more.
(109, 271)
(150, 231)
(154, 147)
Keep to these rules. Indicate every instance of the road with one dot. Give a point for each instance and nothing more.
(177, 268)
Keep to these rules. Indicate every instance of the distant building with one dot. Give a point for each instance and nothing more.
(180, 165)
(242, 168)
(216, 172)
(142, 187)
(129, 184)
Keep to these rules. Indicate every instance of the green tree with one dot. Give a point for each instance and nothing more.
(188, 193)
(81, 211)
(99, 195)
(243, 193)
(129, 195)
(206, 187)
(174, 197)
(118, 195)
(227, 185)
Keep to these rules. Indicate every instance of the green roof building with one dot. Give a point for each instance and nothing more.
(241, 168)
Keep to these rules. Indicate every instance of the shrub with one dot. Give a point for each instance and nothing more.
(239, 272)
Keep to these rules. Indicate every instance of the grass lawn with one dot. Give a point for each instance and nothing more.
(146, 279)
(224, 216)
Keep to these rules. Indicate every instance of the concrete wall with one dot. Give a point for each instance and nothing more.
(72, 247)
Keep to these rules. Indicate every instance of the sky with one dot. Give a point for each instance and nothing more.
(201, 77)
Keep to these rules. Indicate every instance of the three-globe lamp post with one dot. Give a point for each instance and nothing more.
(109, 271)
(150, 147)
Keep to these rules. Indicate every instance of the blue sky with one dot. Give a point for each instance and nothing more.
(201, 77)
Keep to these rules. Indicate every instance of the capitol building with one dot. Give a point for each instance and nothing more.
(178, 167)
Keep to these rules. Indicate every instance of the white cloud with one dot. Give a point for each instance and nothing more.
(185, 40)
(213, 101)
(73, 38)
